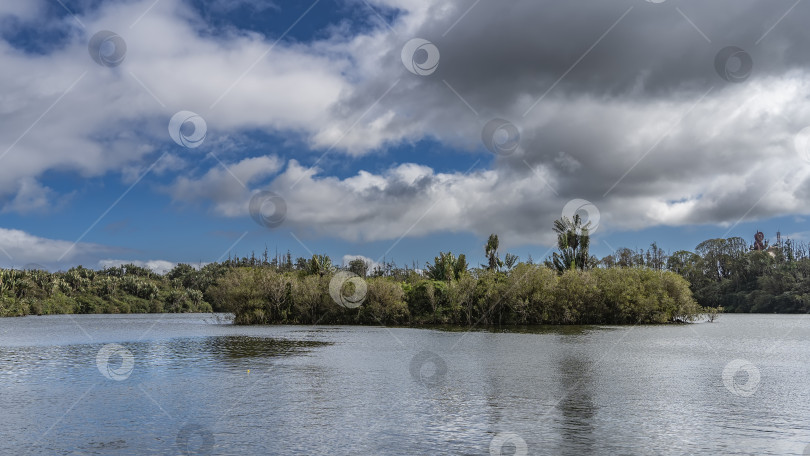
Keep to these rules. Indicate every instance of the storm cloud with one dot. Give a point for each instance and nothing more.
(667, 113)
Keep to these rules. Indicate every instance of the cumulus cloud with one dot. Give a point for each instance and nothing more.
(125, 110)
(372, 265)
(412, 200)
(157, 266)
(225, 185)
(32, 196)
(18, 248)
(619, 103)
(21, 10)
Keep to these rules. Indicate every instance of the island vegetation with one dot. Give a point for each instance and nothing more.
(570, 287)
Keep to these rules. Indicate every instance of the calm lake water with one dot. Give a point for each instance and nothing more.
(184, 384)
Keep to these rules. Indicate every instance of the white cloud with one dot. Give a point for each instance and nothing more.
(34, 197)
(371, 263)
(26, 10)
(225, 185)
(121, 123)
(637, 111)
(18, 248)
(156, 266)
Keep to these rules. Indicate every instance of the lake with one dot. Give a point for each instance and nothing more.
(187, 384)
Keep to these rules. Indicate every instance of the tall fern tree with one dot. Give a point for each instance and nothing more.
(494, 263)
(573, 241)
(446, 267)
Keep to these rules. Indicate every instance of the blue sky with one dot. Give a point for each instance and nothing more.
(315, 102)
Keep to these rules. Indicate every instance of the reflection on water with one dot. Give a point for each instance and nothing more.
(247, 347)
(200, 388)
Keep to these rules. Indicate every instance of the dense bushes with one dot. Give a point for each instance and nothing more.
(263, 292)
(124, 289)
(528, 294)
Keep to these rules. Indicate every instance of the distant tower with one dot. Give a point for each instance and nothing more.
(759, 245)
(779, 238)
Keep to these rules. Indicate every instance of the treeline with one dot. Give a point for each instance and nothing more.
(122, 289)
(732, 274)
(282, 291)
(570, 287)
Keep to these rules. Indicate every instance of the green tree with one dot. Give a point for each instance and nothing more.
(358, 266)
(510, 261)
(573, 241)
(320, 264)
(491, 251)
(446, 267)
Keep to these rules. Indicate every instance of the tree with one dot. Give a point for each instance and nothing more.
(510, 261)
(359, 266)
(491, 251)
(446, 267)
(656, 258)
(573, 241)
(723, 257)
(320, 264)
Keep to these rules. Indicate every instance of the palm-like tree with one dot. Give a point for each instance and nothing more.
(491, 250)
(573, 241)
(446, 267)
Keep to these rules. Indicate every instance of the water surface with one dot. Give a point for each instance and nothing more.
(740, 385)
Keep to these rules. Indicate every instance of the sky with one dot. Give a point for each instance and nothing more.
(169, 131)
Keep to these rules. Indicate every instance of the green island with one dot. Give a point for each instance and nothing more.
(570, 287)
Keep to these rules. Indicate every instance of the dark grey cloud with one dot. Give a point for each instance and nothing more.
(634, 114)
